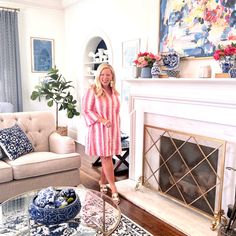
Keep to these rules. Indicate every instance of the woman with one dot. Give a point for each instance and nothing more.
(101, 109)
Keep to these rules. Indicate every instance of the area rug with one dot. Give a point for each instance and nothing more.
(127, 227)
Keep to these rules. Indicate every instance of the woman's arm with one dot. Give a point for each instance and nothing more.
(89, 111)
(88, 108)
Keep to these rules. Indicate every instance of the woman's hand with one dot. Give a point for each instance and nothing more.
(108, 124)
(105, 122)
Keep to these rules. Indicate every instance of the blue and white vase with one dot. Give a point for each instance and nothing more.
(232, 72)
(146, 72)
(155, 71)
(226, 63)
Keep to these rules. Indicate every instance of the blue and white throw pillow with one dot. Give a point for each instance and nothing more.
(14, 142)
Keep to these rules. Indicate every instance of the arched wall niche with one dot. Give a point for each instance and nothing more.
(92, 44)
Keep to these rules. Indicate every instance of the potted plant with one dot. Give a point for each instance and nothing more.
(56, 90)
(226, 55)
(146, 60)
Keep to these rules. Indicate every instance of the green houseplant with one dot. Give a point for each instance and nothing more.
(55, 89)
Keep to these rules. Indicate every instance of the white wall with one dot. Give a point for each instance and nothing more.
(43, 23)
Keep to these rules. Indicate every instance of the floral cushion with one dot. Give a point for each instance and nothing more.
(14, 142)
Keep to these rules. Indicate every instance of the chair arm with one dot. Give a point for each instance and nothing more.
(61, 144)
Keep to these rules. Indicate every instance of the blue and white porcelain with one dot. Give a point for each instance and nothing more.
(155, 71)
(53, 206)
(170, 60)
(226, 63)
(173, 73)
(232, 72)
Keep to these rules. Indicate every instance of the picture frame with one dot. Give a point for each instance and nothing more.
(195, 28)
(130, 50)
(42, 54)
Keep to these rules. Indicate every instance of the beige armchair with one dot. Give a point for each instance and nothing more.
(54, 161)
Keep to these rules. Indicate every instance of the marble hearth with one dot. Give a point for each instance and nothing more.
(204, 107)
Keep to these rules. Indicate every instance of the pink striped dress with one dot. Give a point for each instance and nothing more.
(100, 140)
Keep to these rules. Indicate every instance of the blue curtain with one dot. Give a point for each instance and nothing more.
(10, 73)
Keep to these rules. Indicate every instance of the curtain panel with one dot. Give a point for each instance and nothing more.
(10, 73)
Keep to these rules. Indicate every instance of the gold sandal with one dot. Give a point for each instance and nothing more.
(115, 198)
(103, 188)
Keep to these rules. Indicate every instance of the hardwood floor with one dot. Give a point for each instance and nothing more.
(90, 177)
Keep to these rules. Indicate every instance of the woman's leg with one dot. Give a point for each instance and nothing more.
(108, 169)
(103, 177)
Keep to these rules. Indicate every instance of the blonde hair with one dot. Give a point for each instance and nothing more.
(97, 87)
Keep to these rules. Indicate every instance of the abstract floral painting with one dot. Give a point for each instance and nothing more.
(194, 28)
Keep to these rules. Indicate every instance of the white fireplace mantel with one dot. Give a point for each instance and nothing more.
(199, 106)
(212, 90)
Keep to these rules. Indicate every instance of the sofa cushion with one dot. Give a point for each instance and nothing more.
(14, 142)
(6, 174)
(43, 163)
(37, 125)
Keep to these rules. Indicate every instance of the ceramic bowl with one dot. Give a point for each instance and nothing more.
(51, 216)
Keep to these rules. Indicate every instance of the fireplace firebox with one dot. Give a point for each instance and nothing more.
(185, 167)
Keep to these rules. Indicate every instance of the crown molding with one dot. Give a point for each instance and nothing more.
(53, 4)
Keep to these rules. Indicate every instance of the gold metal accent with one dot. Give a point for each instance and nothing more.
(219, 219)
(189, 190)
(139, 183)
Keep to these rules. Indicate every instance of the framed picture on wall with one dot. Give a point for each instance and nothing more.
(130, 50)
(195, 28)
(42, 54)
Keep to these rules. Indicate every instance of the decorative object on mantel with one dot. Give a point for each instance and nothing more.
(163, 76)
(145, 61)
(205, 71)
(170, 62)
(221, 75)
(173, 73)
(156, 70)
(232, 72)
(146, 72)
(226, 54)
(136, 71)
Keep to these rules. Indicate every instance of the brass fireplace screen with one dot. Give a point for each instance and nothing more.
(184, 167)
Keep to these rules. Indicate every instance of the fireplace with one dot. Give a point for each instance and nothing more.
(203, 107)
(185, 167)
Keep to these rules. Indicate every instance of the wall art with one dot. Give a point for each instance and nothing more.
(195, 28)
(130, 50)
(42, 54)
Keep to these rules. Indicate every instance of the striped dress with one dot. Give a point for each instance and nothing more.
(100, 140)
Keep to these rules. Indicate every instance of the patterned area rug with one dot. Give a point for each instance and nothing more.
(127, 227)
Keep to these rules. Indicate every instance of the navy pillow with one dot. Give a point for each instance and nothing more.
(14, 142)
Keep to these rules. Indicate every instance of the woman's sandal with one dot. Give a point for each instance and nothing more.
(115, 198)
(103, 188)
